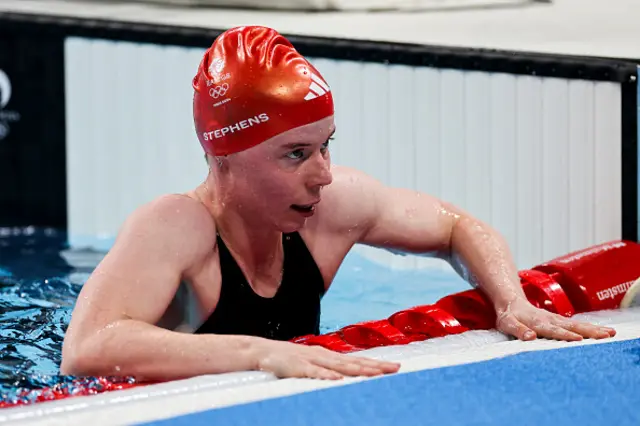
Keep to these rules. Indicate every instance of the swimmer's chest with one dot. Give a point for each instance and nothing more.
(297, 299)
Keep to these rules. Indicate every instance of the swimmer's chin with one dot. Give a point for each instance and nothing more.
(293, 225)
(291, 228)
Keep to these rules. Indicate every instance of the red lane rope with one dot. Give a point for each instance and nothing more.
(592, 279)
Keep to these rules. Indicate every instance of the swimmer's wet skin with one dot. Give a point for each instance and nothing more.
(259, 242)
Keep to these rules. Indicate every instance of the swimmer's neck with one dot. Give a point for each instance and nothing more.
(257, 245)
(252, 242)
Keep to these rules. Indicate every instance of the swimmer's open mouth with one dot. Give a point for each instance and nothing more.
(304, 209)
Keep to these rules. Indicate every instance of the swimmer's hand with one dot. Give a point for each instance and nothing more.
(286, 359)
(526, 322)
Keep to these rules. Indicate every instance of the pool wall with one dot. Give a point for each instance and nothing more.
(543, 147)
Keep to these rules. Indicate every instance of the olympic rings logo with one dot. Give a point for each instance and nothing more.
(218, 91)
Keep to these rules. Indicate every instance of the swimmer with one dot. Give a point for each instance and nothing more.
(218, 279)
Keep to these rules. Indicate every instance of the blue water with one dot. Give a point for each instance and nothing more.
(38, 289)
(37, 295)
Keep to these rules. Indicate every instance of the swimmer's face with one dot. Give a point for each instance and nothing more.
(282, 178)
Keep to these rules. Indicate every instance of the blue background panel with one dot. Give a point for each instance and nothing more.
(582, 385)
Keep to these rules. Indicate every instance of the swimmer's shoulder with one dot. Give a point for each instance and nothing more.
(348, 202)
(345, 175)
(176, 219)
(350, 184)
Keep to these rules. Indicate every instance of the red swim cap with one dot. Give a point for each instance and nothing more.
(252, 85)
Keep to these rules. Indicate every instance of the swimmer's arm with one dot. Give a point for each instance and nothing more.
(148, 353)
(112, 330)
(406, 220)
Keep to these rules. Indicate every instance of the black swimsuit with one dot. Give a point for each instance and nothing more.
(294, 311)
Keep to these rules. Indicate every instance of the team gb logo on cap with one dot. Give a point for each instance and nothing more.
(217, 65)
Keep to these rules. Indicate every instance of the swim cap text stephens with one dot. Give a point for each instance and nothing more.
(244, 124)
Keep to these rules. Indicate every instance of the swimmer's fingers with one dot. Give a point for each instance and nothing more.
(355, 366)
(546, 329)
(385, 366)
(285, 359)
(590, 331)
(551, 326)
(520, 318)
(313, 371)
(509, 324)
(524, 321)
(287, 362)
(306, 369)
(527, 323)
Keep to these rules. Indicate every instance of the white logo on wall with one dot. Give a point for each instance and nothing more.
(5, 89)
(6, 116)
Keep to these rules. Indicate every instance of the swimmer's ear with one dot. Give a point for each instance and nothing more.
(219, 161)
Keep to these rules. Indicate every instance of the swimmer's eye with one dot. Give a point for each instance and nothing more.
(299, 154)
(325, 145)
(296, 155)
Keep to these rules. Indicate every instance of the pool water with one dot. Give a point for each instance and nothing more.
(40, 278)
(37, 294)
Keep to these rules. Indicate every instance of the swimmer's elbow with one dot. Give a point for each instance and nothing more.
(74, 364)
(82, 356)
(71, 365)
(76, 360)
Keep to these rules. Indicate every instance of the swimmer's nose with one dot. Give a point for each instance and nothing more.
(321, 172)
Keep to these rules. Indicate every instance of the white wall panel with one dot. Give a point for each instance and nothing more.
(528, 141)
(503, 187)
(555, 160)
(538, 158)
(130, 133)
(607, 179)
(581, 165)
(478, 162)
